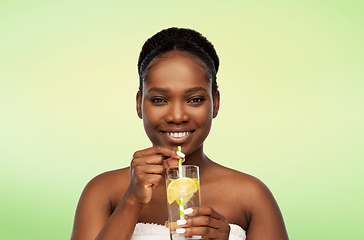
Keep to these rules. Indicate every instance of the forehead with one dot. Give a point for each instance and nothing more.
(176, 70)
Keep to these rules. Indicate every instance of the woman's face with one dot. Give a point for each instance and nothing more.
(177, 105)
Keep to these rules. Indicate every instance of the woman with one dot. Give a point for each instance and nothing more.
(177, 100)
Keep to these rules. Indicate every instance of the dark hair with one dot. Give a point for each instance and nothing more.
(180, 39)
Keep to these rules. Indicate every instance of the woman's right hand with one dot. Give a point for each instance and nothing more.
(147, 170)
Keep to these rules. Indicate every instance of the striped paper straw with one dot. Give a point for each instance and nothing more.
(180, 201)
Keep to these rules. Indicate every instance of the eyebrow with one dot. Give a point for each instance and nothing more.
(196, 89)
(155, 89)
(164, 90)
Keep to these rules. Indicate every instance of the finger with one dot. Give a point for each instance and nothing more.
(151, 180)
(165, 151)
(149, 169)
(171, 162)
(204, 211)
(147, 160)
(199, 222)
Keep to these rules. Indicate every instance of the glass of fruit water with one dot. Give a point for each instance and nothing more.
(183, 191)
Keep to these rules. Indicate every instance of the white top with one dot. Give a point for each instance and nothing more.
(150, 231)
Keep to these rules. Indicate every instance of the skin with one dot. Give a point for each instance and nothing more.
(176, 97)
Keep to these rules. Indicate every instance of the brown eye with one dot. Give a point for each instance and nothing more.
(196, 100)
(158, 100)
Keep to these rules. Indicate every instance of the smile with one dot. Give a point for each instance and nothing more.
(177, 134)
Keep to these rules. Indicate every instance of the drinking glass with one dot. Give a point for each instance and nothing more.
(183, 191)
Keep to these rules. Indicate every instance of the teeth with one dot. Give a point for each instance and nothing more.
(177, 134)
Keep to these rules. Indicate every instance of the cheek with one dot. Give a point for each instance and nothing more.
(203, 121)
(205, 113)
(150, 123)
(203, 116)
(150, 118)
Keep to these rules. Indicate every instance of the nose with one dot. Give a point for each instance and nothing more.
(177, 114)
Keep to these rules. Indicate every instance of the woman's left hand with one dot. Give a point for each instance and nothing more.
(206, 222)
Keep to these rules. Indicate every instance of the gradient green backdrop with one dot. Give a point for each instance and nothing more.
(292, 95)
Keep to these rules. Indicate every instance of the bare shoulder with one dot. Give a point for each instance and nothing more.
(108, 185)
(241, 183)
(97, 202)
(113, 178)
(107, 180)
(265, 220)
(249, 203)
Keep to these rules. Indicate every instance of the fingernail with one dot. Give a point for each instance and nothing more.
(181, 154)
(181, 222)
(188, 211)
(180, 230)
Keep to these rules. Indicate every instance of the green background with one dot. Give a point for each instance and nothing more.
(292, 104)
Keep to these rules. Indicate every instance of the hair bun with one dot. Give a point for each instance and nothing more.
(184, 34)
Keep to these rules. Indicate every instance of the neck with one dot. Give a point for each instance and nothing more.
(198, 158)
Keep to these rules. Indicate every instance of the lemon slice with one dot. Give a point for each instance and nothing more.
(181, 188)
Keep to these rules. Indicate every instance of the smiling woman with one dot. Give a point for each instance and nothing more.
(177, 101)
